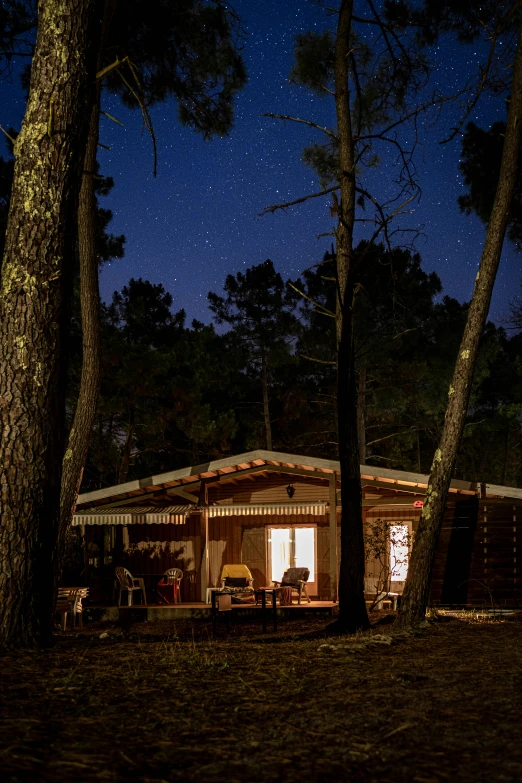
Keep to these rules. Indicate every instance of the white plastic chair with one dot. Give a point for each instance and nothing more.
(126, 581)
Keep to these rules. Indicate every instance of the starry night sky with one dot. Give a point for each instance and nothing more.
(199, 219)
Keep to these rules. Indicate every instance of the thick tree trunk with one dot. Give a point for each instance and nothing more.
(352, 608)
(49, 156)
(85, 413)
(361, 415)
(266, 404)
(416, 593)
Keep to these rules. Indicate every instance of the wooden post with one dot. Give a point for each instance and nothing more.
(204, 572)
(333, 536)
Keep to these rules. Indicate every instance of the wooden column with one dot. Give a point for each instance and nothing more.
(204, 571)
(333, 536)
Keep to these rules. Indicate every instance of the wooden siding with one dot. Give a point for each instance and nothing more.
(145, 550)
(495, 573)
(271, 489)
(243, 540)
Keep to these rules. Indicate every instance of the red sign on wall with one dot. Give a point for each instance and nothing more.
(418, 504)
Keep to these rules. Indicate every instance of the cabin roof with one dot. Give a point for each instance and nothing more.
(180, 484)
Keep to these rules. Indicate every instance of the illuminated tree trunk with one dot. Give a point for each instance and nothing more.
(352, 608)
(36, 275)
(416, 593)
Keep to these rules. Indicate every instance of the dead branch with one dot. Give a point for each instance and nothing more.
(304, 122)
(112, 118)
(275, 207)
(323, 310)
(395, 434)
(319, 361)
(8, 136)
(480, 89)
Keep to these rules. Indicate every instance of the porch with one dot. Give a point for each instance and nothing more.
(198, 610)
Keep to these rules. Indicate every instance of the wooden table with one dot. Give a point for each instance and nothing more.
(262, 591)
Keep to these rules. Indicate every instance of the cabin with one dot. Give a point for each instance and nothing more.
(272, 510)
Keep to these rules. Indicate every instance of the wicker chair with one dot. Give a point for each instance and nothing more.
(126, 581)
(296, 578)
(170, 584)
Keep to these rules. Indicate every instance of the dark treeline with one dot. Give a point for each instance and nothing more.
(175, 394)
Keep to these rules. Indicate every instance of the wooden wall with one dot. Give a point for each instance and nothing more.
(476, 560)
(271, 489)
(242, 539)
(145, 550)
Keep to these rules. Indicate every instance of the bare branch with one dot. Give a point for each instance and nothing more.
(394, 434)
(275, 207)
(319, 361)
(112, 118)
(303, 122)
(480, 89)
(13, 141)
(323, 310)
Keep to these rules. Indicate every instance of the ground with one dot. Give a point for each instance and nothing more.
(165, 702)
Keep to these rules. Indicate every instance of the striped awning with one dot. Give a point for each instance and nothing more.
(274, 509)
(137, 515)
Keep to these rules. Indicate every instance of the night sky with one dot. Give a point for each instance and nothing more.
(199, 219)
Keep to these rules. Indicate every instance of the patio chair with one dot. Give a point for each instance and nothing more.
(126, 581)
(69, 601)
(296, 578)
(236, 578)
(169, 588)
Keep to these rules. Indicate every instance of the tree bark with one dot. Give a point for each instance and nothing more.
(361, 414)
(84, 415)
(266, 404)
(416, 592)
(127, 449)
(49, 156)
(80, 433)
(352, 608)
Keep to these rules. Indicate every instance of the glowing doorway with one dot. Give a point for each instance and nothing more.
(290, 547)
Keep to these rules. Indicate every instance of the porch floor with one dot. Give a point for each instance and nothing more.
(200, 610)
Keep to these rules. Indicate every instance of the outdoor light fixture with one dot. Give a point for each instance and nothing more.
(290, 491)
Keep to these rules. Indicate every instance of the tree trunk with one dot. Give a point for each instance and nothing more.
(352, 608)
(266, 405)
(49, 156)
(125, 459)
(416, 593)
(506, 459)
(80, 434)
(85, 413)
(361, 415)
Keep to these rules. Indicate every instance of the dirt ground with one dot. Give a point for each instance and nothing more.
(165, 702)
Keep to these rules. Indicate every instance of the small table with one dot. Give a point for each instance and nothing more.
(214, 595)
(262, 591)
